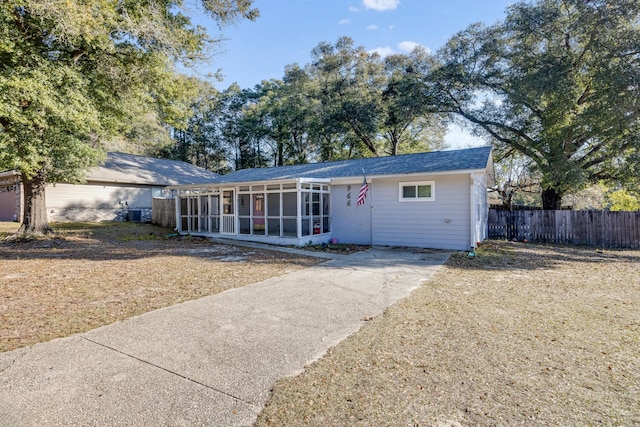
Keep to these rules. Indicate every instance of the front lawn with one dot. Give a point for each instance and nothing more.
(522, 335)
(89, 275)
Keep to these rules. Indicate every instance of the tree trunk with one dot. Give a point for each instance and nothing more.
(551, 199)
(394, 146)
(507, 199)
(279, 153)
(34, 210)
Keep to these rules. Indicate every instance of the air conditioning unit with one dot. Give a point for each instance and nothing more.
(134, 215)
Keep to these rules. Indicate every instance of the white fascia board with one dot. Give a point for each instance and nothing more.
(243, 183)
(314, 180)
(233, 184)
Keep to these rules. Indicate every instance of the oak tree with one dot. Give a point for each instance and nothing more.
(558, 81)
(72, 73)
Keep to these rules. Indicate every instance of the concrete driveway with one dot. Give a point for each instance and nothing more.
(210, 361)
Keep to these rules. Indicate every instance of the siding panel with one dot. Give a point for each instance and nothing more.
(92, 202)
(350, 223)
(423, 224)
(68, 196)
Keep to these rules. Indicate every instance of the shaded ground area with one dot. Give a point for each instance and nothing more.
(91, 275)
(521, 335)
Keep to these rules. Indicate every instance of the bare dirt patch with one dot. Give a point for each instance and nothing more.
(522, 335)
(91, 275)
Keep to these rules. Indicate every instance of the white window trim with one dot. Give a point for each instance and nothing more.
(416, 199)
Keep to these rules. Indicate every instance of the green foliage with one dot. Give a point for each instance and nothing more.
(200, 142)
(590, 198)
(557, 81)
(603, 197)
(622, 200)
(145, 135)
(346, 103)
(410, 122)
(75, 73)
(289, 116)
(241, 130)
(349, 86)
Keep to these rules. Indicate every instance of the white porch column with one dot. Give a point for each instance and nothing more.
(178, 214)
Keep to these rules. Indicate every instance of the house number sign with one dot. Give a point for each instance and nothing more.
(348, 195)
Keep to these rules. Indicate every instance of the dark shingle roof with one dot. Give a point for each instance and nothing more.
(132, 169)
(437, 161)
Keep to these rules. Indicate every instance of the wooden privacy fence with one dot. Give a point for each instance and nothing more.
(595, 228)
(163, 212)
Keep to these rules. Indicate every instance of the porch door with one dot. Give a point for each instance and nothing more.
(228, 213)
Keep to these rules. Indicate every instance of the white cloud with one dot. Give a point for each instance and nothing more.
(372, 27)
(382, 51)
(353, 9)
(457, 137)
(344, 22)
(407, 46)
(381, 5)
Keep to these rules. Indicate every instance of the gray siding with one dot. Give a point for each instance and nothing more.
(350, 223)
(441, 224)
(64, 196)
(94, 202)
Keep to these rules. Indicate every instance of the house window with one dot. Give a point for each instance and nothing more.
(417, 191)
(156, 191)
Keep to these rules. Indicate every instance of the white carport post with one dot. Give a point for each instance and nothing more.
(178, 213)
(299, 208)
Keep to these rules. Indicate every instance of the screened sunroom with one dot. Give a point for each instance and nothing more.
(287, 212)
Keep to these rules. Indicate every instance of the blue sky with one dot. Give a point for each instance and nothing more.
(287, 31)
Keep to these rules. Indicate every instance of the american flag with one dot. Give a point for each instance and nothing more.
(362, 196)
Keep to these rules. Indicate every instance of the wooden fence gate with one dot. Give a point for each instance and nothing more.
(595, 228)
(163, 212)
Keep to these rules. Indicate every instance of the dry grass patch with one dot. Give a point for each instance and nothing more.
(91, 275)
(522, 335)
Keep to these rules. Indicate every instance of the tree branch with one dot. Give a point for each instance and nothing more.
(487, 125)
(611, 155)
(363, 136)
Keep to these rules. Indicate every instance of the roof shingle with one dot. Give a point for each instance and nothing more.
(436, 161)
(132, 169)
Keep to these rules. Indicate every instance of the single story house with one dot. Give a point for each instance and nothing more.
(121, 188)
(434, 200)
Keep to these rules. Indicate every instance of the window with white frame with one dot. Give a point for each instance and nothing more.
(423, 191)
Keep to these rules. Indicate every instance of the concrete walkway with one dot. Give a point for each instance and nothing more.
(208, 362)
